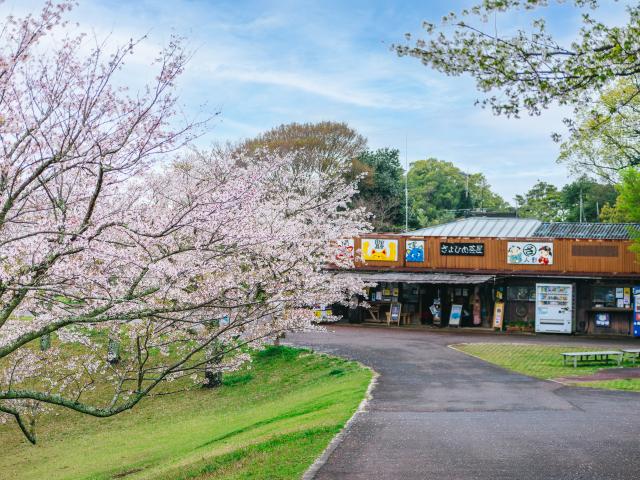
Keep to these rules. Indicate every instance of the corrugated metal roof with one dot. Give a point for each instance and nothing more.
(482, 227)
(416, 277)
(609, 231)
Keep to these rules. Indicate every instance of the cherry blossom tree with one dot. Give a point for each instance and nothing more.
(119, 273)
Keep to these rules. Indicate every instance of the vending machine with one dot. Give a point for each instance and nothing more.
(636, 311)
(555, 311)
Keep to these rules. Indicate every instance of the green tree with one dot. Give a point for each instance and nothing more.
(628, 204)
(595, 197)
(543, 202)
(381, 190)
(439, 191)
(606, 135)
(529, 67)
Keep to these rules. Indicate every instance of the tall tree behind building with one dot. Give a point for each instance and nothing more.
(440, 191)
(317, 148)
(588, 195)
(543, 201)
(381, 190)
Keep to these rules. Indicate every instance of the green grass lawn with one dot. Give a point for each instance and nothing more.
(543, 361)
(269, 421)
(630, 384)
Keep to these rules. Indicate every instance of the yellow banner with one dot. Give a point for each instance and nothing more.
(379, 249)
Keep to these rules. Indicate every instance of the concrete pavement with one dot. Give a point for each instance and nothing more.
(437, 413)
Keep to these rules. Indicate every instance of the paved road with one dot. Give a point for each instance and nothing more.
(440, 414)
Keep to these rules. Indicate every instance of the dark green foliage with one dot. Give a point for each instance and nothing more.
(381, 190)
(543, 202)
(594, 197)
(439, 191)
(278, 352)
(235, 379)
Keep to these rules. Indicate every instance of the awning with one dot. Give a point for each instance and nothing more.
(416, 277)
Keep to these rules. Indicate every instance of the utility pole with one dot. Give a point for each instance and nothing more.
(406, 184)
(581, 206)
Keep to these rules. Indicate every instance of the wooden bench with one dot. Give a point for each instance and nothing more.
(592, 356)
(634, 352)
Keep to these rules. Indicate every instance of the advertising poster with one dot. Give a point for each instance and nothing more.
(414, 251)
(627, 297)
(603, 319)
(380, 249)
(530, 253)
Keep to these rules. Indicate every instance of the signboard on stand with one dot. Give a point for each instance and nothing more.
(395, 312)
(454, 317)
(498, 314)
(636, 311)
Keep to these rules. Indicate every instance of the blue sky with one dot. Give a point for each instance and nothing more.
(263, 63)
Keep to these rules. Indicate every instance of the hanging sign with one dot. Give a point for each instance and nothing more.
(379, 249)
(414, 251)
(530, 253)
(463, 249)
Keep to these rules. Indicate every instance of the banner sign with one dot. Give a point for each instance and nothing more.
(415, 251)
(530, 253)
(379, 249)
(464, 249)
(346, 248)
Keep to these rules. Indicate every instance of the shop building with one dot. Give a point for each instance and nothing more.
(510, 273)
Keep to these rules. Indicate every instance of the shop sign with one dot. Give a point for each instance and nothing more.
(464, 249)
(414, 251)
(379, 249)
(530, 253)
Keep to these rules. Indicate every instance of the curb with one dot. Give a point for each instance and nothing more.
(337, 440)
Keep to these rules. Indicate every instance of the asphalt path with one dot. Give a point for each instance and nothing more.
(437, 413)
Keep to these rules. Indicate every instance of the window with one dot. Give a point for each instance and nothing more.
(522, 294)
(594, 250)
(603, 297)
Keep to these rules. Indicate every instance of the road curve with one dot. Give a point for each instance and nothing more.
(437, 413)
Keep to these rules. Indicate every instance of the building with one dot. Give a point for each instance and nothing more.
(505, 272)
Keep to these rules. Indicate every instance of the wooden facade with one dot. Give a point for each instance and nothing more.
(571, 257)
(598, 269)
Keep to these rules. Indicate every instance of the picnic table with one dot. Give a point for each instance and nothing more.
(635, 353)
(602, 355)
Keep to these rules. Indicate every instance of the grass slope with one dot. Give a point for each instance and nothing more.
(543, 361)
(268, 421)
